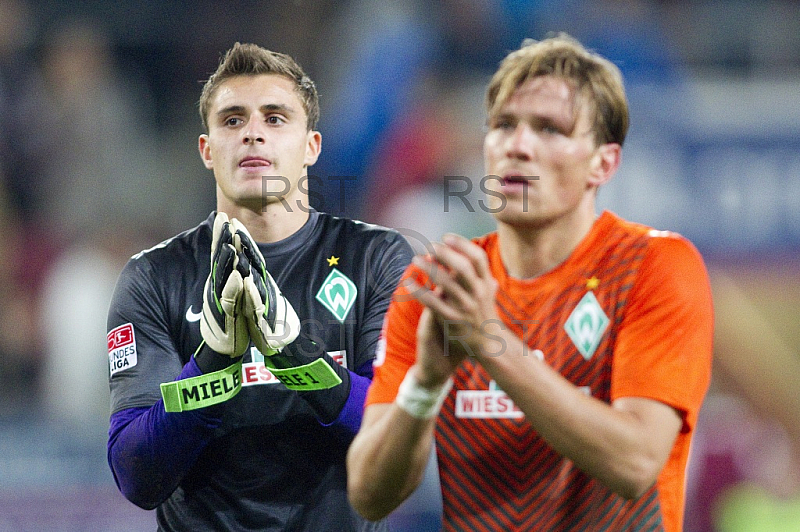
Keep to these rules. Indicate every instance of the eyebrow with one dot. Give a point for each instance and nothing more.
(277, 107)
(540, 119)
(231, 109)
(266, 109)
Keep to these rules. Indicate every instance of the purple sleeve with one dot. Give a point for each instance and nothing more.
(151, 450)
(353, 409)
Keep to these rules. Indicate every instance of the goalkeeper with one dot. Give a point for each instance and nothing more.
(240, 351)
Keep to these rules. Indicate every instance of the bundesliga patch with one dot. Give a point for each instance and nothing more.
(121, 348)
(586, 325)
(337, 294)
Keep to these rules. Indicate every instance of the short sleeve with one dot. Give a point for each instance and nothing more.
(398, 343)
(664, 346)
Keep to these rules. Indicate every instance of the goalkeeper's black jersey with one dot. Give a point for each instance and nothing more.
(271, 464)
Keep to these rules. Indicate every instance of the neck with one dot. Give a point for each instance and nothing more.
(269, 224)
(529, 252)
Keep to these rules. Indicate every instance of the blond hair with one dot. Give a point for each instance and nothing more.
(595, 80)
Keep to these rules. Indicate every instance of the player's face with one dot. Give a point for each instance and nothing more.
(258, 144)
(540, 132)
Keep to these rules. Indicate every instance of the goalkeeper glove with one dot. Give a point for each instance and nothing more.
(223, 325)
(274, 325)
(271, 319)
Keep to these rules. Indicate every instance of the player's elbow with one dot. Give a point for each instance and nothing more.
(142, 494)
(633, 490)
(142, 500)
(366, 500)
(637, 479)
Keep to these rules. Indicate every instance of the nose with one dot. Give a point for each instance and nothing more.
(520, 143)
(253, 134)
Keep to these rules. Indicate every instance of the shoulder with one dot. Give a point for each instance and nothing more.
(357, 233)
(674, 260)
(668, 256)
(354, 226)
(187, 240)
(173, 253)
(656, 241)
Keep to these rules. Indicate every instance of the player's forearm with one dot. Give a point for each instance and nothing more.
(387, 459)
(309, 368)
(150, 450)
(616, 447)
(352, 412)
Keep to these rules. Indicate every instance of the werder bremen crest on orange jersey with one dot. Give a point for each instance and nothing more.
(610, 319)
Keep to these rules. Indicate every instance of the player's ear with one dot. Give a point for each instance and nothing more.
(313, 147)
(605, 163)
(205, 151)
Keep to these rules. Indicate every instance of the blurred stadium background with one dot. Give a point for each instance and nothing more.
(98, 159)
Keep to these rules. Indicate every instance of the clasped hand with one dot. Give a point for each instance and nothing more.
(459, 319)
(241, 301)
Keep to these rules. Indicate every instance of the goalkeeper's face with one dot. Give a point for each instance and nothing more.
(257, 143)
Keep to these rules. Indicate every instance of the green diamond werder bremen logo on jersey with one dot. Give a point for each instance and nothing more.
(337, 294)
(586, 325)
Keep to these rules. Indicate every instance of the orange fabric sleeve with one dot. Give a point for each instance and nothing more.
(398, 340)
(664, 347)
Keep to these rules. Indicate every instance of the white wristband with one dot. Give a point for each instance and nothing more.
(421, 402)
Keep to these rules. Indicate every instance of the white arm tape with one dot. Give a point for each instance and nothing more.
(421, 402)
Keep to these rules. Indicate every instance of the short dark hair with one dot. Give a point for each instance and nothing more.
(252, 60)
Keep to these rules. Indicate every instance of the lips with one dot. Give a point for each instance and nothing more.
(254, 162)
(515, 179)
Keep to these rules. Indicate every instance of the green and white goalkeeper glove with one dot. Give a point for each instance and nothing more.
(294, 359)
(223, 325)
(271, 319)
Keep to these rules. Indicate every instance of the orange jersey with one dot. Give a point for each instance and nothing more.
(627, 314)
